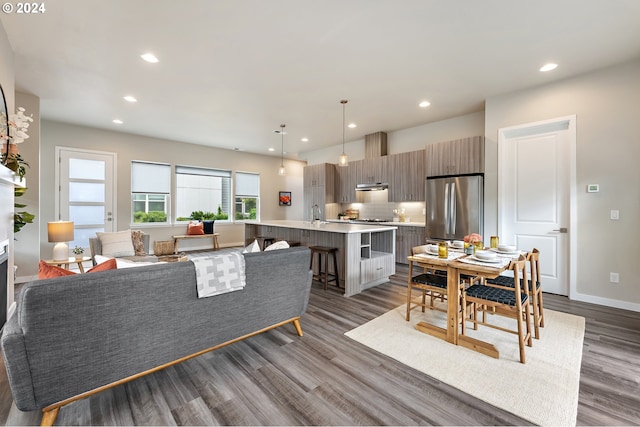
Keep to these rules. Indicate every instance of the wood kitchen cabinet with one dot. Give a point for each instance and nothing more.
(372, 170)
(406, 238)
(457, 157)
(319, 184)
(407, 176)
(346, 181)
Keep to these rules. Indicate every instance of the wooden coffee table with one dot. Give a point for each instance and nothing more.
(69, 261)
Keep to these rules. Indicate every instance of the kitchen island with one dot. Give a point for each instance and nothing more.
(366, 253)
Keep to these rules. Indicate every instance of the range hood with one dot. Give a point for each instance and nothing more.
(372, 187)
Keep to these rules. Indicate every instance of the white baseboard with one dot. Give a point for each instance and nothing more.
(625, 305)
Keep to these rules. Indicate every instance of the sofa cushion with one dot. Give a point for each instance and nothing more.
(128, 263)
(116, 244)
(252, 247)
(46, 271)
(109, 264)
(280, 244)
(138, 243)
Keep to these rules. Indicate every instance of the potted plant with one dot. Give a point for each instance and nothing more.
(78, 252)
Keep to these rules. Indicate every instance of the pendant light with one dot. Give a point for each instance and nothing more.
(344, 160)
(281, 168)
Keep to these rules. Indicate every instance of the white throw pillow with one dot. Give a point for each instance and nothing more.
(280, 244)
(253, 247)
(125, 263)
(116, 244)
(100, 259)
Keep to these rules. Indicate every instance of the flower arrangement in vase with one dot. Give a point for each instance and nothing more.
(17, 126)
(472, 242)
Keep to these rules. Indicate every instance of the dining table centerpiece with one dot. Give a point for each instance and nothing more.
(472, 242)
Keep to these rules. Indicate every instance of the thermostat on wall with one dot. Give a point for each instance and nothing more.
(593, 188)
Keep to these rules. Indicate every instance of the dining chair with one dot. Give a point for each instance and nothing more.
(432, 283)
(534, 292)
(508, 301)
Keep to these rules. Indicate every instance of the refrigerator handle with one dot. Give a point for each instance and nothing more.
(452, 203)
(446, 208)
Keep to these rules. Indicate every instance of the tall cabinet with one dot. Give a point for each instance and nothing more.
(319, 188)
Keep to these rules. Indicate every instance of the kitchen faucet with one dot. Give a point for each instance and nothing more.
(315, 217)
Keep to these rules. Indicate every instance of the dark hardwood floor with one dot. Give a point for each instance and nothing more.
(325, 378)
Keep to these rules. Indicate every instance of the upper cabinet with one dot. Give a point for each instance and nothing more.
(461, 156)
(407, 176)
(372, 170)
(346, 181)
(319, 187)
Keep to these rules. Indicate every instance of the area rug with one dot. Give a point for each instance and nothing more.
(543, 391)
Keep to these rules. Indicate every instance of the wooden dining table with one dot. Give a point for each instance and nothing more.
(455, 268)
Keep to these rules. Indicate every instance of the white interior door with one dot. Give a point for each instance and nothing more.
(535, 189)
(85, 182)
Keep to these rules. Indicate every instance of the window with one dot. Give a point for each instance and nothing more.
(150, 189)
(247, 196)
(204, 191)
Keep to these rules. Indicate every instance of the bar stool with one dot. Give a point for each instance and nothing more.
(325, 277)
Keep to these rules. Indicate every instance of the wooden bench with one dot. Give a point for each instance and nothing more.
(177, 238)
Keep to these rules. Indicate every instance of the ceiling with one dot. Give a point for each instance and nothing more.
(230, 72)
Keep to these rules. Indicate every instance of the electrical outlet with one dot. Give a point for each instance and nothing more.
(614, 277)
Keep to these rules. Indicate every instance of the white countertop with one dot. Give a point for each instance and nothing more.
(377, 224)
(344, 227)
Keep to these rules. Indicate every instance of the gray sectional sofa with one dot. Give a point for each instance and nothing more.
(73, 336)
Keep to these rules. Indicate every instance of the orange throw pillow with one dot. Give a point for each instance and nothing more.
(109, 264)
(46, 271)
(195, 229)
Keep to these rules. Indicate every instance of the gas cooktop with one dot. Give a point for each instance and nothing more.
(372, 220)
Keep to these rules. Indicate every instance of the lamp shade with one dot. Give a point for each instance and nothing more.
(60, 231)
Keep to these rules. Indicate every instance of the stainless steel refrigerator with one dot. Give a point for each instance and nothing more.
(454, 206)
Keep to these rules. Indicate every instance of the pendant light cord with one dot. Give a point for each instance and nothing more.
(344, 103)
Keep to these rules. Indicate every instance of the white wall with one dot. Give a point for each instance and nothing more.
(608, 149)
(410, 139)
(28, 238)
(134, 147)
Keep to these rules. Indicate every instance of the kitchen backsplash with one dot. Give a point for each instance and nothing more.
(376, 205)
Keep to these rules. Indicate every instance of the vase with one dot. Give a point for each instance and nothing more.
(79, 257)
(13, 149)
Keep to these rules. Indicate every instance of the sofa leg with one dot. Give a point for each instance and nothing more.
(49, 417)
(296, 323)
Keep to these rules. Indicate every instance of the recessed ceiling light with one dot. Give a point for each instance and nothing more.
(272, 149)
(424, 104)
(117, 121)
(548, 67)
(305, 140)
(352, 125)
(149, 57)
(130, 98)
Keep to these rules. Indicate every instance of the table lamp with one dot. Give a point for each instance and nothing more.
(60, 232)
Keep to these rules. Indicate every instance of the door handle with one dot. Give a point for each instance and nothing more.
(561, 230)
